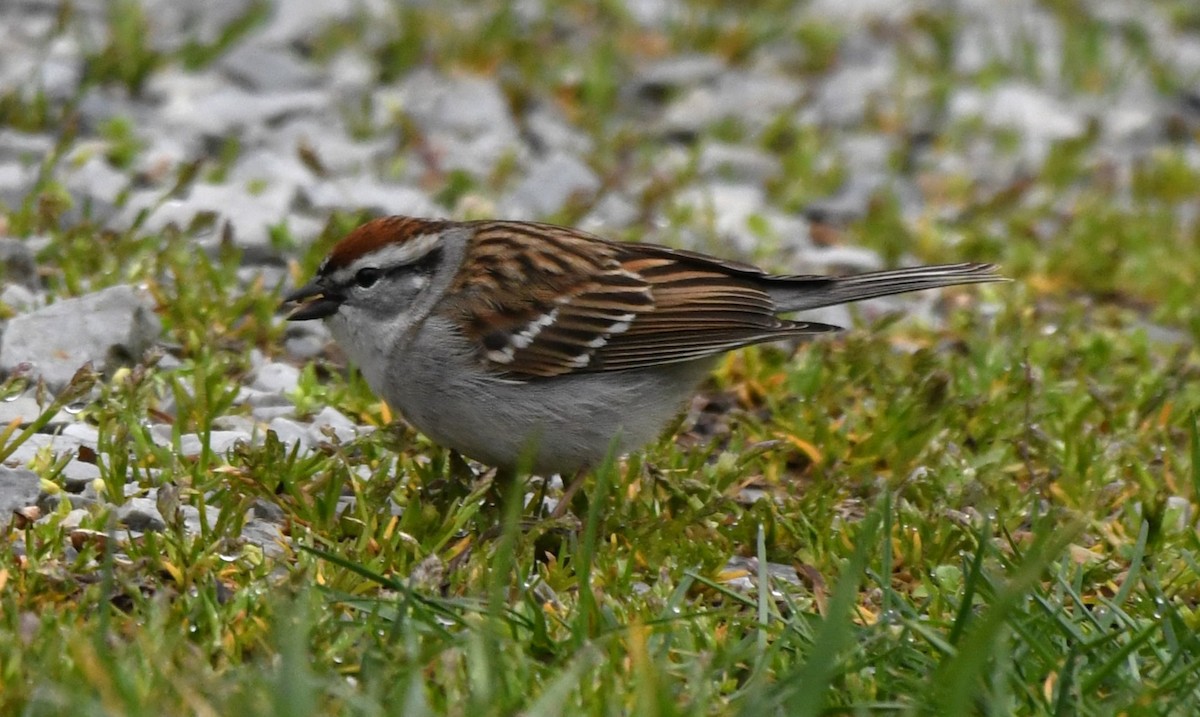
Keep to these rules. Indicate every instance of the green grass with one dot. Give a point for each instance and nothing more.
(995, 517)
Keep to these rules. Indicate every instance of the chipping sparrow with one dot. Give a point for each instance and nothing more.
(513, 340)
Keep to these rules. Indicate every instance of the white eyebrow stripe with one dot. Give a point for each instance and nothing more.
(391, 255)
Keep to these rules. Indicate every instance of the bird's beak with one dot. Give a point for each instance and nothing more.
(314, 300)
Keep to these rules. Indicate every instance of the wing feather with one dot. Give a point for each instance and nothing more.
(604, 306)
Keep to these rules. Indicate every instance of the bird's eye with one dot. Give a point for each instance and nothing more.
(366, 278)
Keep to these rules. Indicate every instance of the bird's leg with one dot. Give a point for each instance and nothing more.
(569, 491)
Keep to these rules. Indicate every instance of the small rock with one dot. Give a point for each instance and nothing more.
(247, 217)
(191, 518)
(278, 378)
(265, 534)
(20, 299)
(49, 502)
(177, 23)
(851, 201)
(1182, 52)
(549, 131)
(240, 424)
(308, 329)
(297, 21)
(752, 98)
(268, 511)
(549, 185)
(16, 181)
(839, 260)
(366, 194)
(790, 232)
(256, 398)
(267, 414)
(133, 490)
(262, 399)
(96, 182)
(304, 348)
(260, 68)
(87, 434)
(860, 12)
(465, 120)
(465, 105)
(192, 444)
(59, 75)
(76, 476)
(733, 162)
(160, 158)
(657, 78)
(1037, 117)
(207, 105)
(335, 153)
(728, 207)
(140, 514)
(111, 327)
(612, 212)
(1132, 123)
(25, 147)
(290, 431)
(74, 518)
(656, 13)
(334, 420)
(252, 275)
(257, 169)
(19, 487)
(25, 409)
(29, 448)
(845, 95)
(867, 152)
(351, 72)
(777, 572)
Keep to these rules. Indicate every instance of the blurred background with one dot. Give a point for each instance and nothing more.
(1057, 137)
(994, 506)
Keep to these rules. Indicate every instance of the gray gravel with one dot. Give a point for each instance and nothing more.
(318, 137)
(109, 328)
(19, 487)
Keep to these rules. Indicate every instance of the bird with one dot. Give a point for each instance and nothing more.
(537, 347)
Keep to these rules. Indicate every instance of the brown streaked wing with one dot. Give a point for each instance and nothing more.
(703, 306)
(540, 299)
(544, 301)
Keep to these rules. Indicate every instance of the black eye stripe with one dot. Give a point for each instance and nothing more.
(368, 276)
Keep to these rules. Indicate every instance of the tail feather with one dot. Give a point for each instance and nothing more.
(798, 293)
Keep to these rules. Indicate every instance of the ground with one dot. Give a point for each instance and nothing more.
(978, 501)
